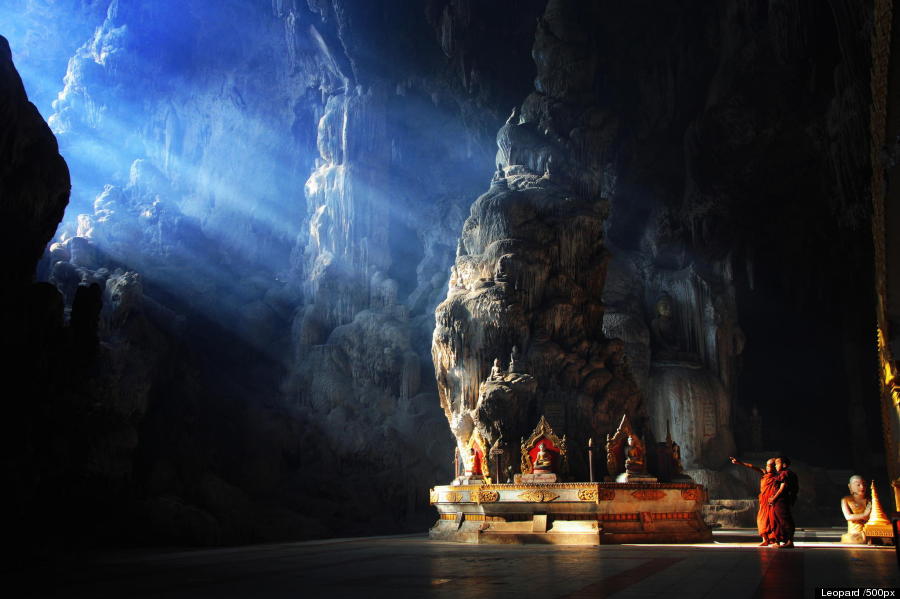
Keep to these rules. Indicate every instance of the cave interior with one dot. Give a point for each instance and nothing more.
(265, 253)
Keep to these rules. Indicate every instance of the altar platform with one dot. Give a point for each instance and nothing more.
(570, 513)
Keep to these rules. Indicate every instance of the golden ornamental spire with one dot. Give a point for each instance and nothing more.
(878, 516)
(878, 524)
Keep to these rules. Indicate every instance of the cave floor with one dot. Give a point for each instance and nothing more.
(413, 566)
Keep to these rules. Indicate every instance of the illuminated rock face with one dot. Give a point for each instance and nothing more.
(531, 267)
(529, 275)
(398, 157)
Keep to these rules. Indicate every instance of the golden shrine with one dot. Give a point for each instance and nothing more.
(538, 507)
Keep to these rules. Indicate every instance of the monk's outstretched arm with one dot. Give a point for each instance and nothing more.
(746, 465)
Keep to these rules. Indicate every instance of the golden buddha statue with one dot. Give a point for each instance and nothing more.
(856, 508)
(543, 460)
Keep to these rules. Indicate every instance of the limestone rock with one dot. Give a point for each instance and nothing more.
(529, 272)
(731, 513)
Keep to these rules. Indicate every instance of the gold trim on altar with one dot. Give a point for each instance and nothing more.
(482, 496)
(587, 495)
(452, 497)
(538, 496)
(649, 494)
(602, 486)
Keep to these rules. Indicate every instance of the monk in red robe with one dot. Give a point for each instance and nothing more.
(764, 519)
(784, 497)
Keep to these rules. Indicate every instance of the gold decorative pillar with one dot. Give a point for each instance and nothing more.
(885, 127)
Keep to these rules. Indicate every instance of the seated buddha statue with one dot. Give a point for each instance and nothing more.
(664, 335)
(856, 508)
(666, 342)
(496, 371)
(543, 460)
(634, 456)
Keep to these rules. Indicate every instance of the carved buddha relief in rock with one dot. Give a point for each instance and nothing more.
(664, 335)
(686, 391)
(667, 344)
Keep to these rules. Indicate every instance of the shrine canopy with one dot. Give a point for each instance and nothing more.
(554, 447)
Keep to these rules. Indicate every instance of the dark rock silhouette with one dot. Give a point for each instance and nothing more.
(34, 176)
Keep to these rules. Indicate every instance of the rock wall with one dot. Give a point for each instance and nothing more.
(741, 167)
(683, 341)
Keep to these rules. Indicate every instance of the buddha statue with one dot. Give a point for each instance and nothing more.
(474, 464)
(496, 370)
(543, 460)
(857, 508)
(454, 279)
(515, 362)
(663, 331)
(677, 468)
(689, 384)
(503, 268)
(499, 178)
(634, 456)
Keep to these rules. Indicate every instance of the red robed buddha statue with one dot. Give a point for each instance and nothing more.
(475, 458)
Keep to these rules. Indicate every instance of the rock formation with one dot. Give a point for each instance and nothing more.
(690, 152)
(531, 265)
